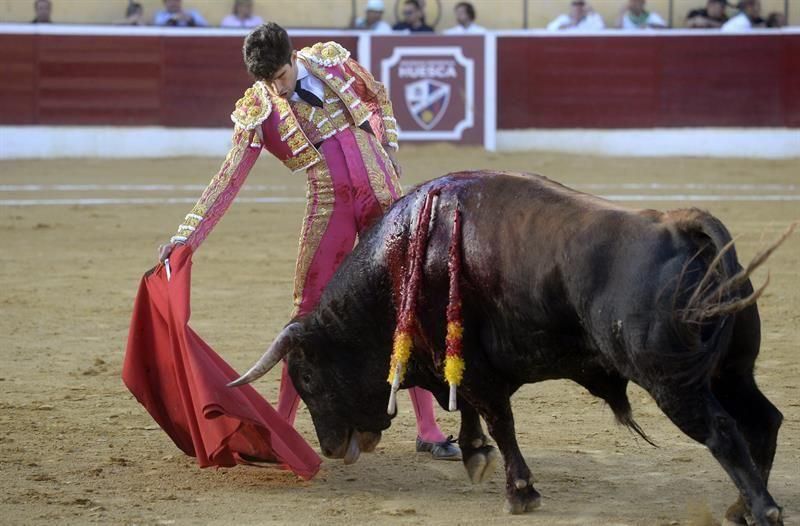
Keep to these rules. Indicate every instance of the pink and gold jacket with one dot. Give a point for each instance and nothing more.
(291, 131)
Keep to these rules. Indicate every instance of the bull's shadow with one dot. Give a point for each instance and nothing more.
(555, 284)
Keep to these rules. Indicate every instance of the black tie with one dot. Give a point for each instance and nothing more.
(307, 96)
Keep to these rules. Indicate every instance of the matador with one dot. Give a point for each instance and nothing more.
(316, 110)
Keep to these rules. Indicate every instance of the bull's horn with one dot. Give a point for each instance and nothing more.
(279, 348)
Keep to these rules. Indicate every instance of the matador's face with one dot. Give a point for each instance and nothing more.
(282, 83)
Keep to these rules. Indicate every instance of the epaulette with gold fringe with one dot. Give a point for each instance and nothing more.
(253, 108)
(325, 54)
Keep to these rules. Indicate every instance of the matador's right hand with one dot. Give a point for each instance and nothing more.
(165, 250)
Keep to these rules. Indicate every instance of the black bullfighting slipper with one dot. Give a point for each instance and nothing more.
(447, 449)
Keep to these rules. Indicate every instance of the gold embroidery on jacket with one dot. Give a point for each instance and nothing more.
(377, 177)
(343, 90)
(305, 159)
(377, 99)
(325, 54)
(319, 207)
(291, 131)
(217, 185)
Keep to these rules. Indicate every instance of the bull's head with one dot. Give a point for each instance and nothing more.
(345, 391)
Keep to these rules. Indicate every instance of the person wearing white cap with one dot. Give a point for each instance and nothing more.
(373, 19)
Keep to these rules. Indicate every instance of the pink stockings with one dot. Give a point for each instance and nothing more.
(427, 428)
(422, 400)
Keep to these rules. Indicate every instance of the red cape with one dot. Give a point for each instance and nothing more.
(181, 381)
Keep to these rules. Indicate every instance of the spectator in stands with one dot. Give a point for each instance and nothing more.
(776, 20)
(174, 14)
(581, 17)
(634, 16)
(373, 18)
(242, 15)
(711, 17)
(749, 17)
(42, 10)
(413, 19)
(134, 15)
(465, 16)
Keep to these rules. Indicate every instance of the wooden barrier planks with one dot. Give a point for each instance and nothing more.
(543, 82)
(202, 79)
(124, 80)
(572, 83)
(709, 81)
(790, 85)
(18, 74)
(649, 81)
(86, 80)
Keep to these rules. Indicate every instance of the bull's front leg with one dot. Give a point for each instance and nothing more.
(520, 493)
(478, 455)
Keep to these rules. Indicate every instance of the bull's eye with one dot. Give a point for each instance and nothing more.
(306, 378)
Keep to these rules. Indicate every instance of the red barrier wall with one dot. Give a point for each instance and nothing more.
(543, 81)
(648, 81)
(18, 73)
(93, 80)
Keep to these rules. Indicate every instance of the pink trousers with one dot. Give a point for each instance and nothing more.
(347, 192)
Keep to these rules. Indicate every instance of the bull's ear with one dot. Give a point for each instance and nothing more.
(287, 340)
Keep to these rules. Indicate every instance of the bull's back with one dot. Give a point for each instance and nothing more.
(522, 226)
(515, 226)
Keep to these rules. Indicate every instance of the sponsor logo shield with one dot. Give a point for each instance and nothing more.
(427, 101)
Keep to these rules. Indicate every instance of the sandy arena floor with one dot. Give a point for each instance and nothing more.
(76, 448)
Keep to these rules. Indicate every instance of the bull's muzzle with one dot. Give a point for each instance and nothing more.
(351, 449)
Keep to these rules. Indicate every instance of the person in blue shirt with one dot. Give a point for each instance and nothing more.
(174, 14)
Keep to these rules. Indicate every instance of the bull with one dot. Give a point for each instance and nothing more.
(556, 284)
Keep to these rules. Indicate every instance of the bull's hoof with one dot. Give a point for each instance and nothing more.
(773, 516)
(735, 516)
(525, 499)
(738, 515)
(480, 463)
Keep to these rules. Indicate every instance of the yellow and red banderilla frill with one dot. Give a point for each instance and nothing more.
(403, 341)
(454, 360)
(401, 349)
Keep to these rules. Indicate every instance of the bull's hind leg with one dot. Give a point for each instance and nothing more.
(758, 420)
(735, 388)
(698, 414)
(520, 493)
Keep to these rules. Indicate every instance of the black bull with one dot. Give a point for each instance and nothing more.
(555, 284)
